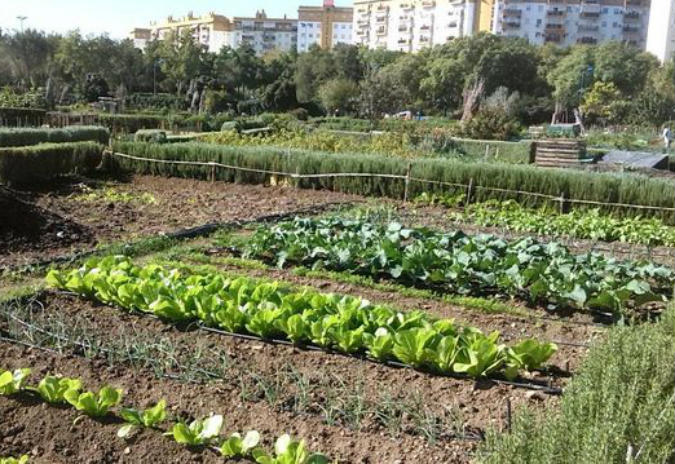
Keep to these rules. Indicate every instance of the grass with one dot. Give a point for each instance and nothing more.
(617, 409)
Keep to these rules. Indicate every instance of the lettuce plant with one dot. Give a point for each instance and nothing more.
(20, 460)
(141, 418)
(198, 432)
(52, 389)
(238, 447)
(288, 451)
(13, 382)
(94, 405)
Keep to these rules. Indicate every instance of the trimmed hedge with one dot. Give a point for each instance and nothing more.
(150, 135)
(606, 188)
(22, 165)
(21, 117)
(29, 136)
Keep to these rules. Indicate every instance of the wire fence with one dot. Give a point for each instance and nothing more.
(407, 178)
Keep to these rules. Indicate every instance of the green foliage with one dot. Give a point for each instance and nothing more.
(603, 103)
(617, 408)
(289, 451)
(53, 389)
(136, 418)
(491, 123)
(12, 382)
(23, 165)
(556, 182)
(467, 265)
(28, 136)
(588, 224)
(150, 135)
(34, 99)
(338, 94)
(21, 460)
(238, 447)
(199, 432)
(21, 117)
(242, 305)
(92, 404)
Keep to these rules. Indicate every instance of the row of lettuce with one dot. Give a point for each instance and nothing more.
(545, 274)
(59, 391)
(344, 324)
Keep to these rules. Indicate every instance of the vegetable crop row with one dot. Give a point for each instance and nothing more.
(468, 265)
(58, 390)
(342, 323)
(586, 224)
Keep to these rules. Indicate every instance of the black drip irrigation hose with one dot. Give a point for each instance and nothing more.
(544, 387)
(180, 234)
(471, 437)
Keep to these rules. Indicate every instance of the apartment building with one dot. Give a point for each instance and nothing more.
(214, 31)
(411, 25)
(661, 33)
(568, 22)
(324, 26)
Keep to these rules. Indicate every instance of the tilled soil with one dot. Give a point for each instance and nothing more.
(579, 329)
(476, 405)
(80, 215)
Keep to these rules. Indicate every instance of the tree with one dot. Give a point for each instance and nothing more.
(603, 103)
(339, 94)
(313, 69)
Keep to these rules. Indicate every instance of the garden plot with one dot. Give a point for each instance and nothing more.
(78, 216)
(351, 409)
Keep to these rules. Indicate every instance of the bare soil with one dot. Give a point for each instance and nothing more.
(477, 405)
(80, 214)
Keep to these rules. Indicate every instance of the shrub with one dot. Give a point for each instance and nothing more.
(150, 135)
(301, 114)
(617, 408)
(29, 136)
(22, 165)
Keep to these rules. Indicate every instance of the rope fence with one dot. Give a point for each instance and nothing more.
(407, 178)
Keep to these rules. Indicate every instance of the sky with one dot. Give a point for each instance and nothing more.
(118, 17)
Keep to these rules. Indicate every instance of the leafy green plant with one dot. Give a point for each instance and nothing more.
(148, 418)
(9, 460)
(288, 451)
(94, 405)
(13, 381)
(237, 446)
(52, 389)
(243, 305)
(199, 432)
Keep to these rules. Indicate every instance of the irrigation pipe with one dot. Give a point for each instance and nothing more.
(544, 387)
(407, 178)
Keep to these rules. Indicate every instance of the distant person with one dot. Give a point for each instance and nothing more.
(667, 137)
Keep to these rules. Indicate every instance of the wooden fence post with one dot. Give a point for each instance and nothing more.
(213, 172)
(469, 192)
(562, 203)
(508, 415)
(487, 151)
(407, 183)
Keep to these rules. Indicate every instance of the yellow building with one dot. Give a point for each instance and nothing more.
(324, 26)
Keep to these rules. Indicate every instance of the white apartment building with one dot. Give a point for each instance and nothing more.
(411, 25)
(214, 31)
(661, 33)
(568, 22)
(324, 26)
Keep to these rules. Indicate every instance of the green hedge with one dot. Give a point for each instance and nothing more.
(23, 165)
(621, 399)
(19, 137)
(21, 117)
(638, 190)
(150, 135)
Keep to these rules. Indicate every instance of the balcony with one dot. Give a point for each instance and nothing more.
(512, 25)
(631, 29)
(589, 14)
(587, 40)
(428, 4)
(552, 27)
(631, 15)
(381, 31)
(635, 2)
(382, 8)
(553, 38)
(425, 39)
(555, 13)
(453, 24)
(406, 6)
(588, 28)
(512, 13)
(403, 28)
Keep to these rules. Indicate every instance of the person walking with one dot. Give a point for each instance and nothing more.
(667, 137)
